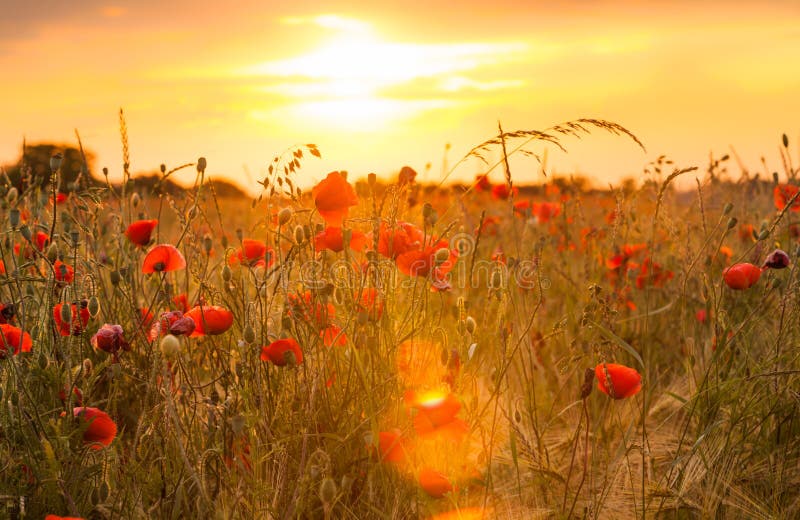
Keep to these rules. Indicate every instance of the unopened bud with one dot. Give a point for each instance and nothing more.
(66, 313)
(778, 259)
(249, 334)
(728, 208)
(763, 234)
(13, 218)
(299, 234)
(170, 346)
(11, 196)
(25, 231)
(327, 491)
(470, 325)
(93, 306)
(55, 162)
(284, 216)
(227, 274)
(52, 252)
(207, 244)
(497, 280)
(201, 164)
(135, 199)
(732, 222)
(442, 255)
(115, 277)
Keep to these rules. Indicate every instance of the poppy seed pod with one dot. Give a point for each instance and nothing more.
(728, 208)
(66, 313)
(227, 274)
(12, 195)
(25, 231)
(201, 164)
(135, 200)
(207, 244)
(470, 325)
(778, 259)
(732, 222)
(249, 334)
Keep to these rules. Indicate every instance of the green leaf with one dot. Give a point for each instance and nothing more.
(619, 341)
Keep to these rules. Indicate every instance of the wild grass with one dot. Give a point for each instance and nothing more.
(212, 431)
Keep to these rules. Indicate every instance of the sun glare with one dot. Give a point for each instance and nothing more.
(343, 83)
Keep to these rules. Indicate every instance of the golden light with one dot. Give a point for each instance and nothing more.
(344, 82)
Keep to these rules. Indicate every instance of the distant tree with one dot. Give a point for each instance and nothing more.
(33, 167)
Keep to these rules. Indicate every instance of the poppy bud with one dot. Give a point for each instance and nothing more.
(12, 195)
(764, 234)
(732, 222)
(75, 237)
(55, 162)
(201, 164)
(93, 306)
(442, 254)
(727, 209)
(135, 199)
(471, 325)
(427, 210)
(25, 231)
(13, 218)
(778, 259)
(207, 244)
(170, 346)
(327, 491)
(290, 358)
(299, 234)
(785, 141)
(249, 334)
(284, 216)
(52, 252)
(497, 280)
(115, 277)
(66, 313)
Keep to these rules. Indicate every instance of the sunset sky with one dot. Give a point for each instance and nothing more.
(377, 85)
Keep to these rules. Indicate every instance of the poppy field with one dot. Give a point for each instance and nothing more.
(389, 349)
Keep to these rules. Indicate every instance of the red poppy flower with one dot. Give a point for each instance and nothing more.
(392, 446)
(393, 242)
(423, 263)
(435, 484)
(210, 319)
(172, 322)
(482, 183)
(11, 336)
(333, 197)
(41, 239)
(282, 352)
(434, 410)
(109, 338)
(783, 193)
(305, 308)
(80, 317)
(101, 429)
(370, 301)
(139, 232)
(60, 198)
(55, 517)
(653, 274)
(331, 238)
(545, 211)
(252, 253)
(163, 258)
(182, 301)
(501, 191)
(617, 381)
(332, 335)
(701, 316)
(741, 276)
(63, 272)
(2, 267)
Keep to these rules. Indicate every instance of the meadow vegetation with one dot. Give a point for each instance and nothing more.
(391, 350)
